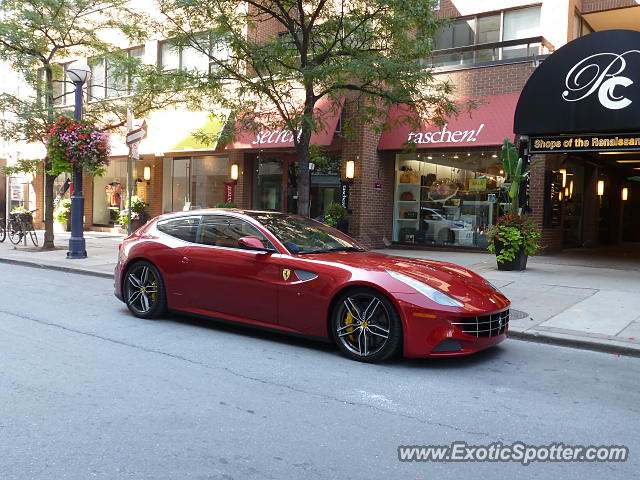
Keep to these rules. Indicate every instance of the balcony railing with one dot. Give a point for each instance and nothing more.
(482, 54)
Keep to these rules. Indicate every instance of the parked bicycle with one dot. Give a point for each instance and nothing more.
(3, 229)
(20, 226)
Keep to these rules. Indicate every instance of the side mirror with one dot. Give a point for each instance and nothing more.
(252, 243)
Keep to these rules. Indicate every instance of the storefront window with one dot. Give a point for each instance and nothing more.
(196, 182)
(446, 198)
(109, 192)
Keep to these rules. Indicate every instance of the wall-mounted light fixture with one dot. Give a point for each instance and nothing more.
(146, 173)
(350, 170)
(571, 188)
(600, 189)
(625, 194)
(235, 172)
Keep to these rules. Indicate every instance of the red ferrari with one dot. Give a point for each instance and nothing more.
(296, 275)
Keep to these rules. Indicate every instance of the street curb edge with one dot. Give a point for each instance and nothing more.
(25, 263)
(576, 342)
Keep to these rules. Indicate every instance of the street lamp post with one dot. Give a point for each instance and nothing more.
(78, 72)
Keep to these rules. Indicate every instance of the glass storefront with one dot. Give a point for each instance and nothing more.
(109, 192)
(195, 181)
(274, 175)
(447, 199)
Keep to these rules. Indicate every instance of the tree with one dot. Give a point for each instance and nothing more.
(369, 50)
(36, 36)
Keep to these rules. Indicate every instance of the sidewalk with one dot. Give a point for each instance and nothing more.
(584, 298)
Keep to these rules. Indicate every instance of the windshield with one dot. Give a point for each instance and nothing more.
(305, 236)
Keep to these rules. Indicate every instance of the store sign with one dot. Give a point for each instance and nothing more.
(445, 136)
(478, 184)
(586, 143)
(270, 137)
(344, 194)
(229, 191)
(591, 84)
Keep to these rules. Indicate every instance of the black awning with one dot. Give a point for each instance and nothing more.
(590, 85)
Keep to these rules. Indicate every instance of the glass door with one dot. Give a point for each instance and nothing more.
(180, 183)
(267, 186)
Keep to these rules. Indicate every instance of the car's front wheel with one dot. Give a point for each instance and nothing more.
(143, 290)
(365, 326)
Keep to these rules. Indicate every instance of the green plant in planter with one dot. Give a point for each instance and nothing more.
(333, 213)
(138, 211)
(513, 233)
(515, 173)
(18, 209)
(62, 213)
(225, 205)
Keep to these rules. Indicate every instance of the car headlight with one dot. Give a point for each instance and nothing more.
(434, 294)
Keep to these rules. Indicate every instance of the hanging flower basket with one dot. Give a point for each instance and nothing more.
(74, 142)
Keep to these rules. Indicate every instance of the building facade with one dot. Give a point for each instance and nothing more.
(447, 188)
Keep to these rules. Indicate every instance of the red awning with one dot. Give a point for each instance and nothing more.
(326, 111)
(487, 125)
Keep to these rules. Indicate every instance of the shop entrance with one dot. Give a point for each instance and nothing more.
(275, 183)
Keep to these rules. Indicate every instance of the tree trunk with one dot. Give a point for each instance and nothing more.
(304, 204)
(48, 212)
(48, 179)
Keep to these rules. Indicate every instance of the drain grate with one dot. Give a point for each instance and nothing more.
(517, 314)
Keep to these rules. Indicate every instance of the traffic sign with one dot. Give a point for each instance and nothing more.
(138, 134)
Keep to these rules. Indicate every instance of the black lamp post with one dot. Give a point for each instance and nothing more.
(78, 72)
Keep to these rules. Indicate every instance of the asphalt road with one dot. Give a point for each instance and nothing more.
(88, 391)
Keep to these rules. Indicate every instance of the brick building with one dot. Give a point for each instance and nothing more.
(448, 189)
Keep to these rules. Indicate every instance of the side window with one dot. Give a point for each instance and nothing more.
(225, 232)
(184, 228)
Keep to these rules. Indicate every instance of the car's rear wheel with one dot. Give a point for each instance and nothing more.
(144, 291)
(365, 326)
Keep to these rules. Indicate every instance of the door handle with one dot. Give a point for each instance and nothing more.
(185, 260)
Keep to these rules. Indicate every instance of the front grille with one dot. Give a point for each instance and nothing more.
(485, 325)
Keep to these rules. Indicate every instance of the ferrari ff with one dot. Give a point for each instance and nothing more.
(296, 275)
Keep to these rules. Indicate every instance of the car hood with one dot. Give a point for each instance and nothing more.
(457, 281)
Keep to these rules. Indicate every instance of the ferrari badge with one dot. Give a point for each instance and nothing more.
(286, 273)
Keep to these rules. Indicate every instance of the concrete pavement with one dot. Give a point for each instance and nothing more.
(584, 298)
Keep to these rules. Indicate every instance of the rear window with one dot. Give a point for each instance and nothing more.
(184, 228)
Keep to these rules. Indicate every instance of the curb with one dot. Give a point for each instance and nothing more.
(576, 342)
(79, 271)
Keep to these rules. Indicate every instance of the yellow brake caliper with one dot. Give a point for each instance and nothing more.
(349, 321)
(155, 294)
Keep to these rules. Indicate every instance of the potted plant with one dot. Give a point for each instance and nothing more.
(62, 213)
(335, 215)
(513, 237)
(138, 213)
(225, 205)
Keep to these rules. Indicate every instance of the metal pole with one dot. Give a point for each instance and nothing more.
(77, 246)
(129, 172)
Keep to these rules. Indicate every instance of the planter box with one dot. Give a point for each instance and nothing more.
(518, 263)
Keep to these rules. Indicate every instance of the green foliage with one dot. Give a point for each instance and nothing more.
(19, 209)
(369, 51)
(514, 233)
(62, 213)
(225, 205)
(333, 213)
(138, 211)
(513, 169)
(21, 166)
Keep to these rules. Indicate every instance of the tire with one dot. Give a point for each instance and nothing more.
(15, 232)
(377, 332)
(143, 290)
(3, 231)
(34, 237)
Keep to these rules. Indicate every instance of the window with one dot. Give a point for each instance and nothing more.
(223, 231)
(508, 25)
(187, 57)
(107, 82)
(184, 228)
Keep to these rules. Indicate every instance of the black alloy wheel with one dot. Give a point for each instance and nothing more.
(365, 326)
(143, 290)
